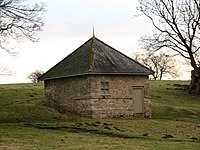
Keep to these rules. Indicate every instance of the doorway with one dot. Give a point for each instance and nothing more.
(138, 98)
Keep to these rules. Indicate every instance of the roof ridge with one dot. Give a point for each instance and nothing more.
(91, 59)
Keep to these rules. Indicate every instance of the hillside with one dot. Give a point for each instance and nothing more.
(25, 123)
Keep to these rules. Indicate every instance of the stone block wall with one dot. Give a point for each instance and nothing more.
(119, 101)
(83, 95)
(69, 94)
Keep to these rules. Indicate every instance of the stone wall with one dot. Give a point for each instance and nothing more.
(83, 95)
(119, 101)
(69, 94)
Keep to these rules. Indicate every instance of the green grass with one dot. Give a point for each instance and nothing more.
(169, 103)
(25, 103)
(26, 123)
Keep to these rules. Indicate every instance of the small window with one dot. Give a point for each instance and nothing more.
(105, 88)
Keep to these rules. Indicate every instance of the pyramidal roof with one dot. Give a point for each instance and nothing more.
(95, 57)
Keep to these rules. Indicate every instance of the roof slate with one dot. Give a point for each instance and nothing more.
(95, 57)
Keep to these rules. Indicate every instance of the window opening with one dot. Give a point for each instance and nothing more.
(105, 88)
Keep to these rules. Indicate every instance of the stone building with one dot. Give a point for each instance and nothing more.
(98, 81)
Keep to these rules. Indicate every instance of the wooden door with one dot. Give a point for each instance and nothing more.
(138, 98)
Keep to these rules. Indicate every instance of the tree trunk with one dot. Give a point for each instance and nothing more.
(195, 81)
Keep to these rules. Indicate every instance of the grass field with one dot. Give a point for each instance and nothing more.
(26, 123)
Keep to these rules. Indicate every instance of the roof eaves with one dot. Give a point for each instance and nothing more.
(95, 73)
(67, 76)
(118, 73)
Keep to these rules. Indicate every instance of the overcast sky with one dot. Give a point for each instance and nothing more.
(68, 24)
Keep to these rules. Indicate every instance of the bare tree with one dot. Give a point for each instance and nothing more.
(18, 19)
(177, 24)
(160, 63)
(4, 71)
(35, 75)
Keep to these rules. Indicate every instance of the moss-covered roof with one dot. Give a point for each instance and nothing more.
(95, 57)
